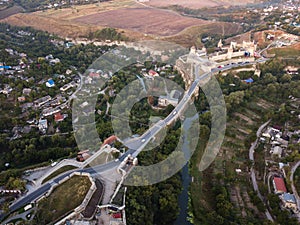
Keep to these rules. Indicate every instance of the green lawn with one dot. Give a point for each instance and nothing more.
(62, 200)
(57, 172)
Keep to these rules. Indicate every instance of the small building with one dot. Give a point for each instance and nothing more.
(69, 44)
(54, 61)
(26, 106)
(50, 83)
(284, 143)
(26, 91)
(279, 185)
(117, 215)
(68, 72)
(82, 155)
(50, 111)
(94, 75)
(238, 170)
(58, 117)
(271, 37)
(292, 70)
(21, 99)
(171, 99)
(289, 201)
(68, 86)
(248, 81)
(266, 135)
(26, 129)
(277, 150)
(153, 73)
(43, 125)
(41, 101)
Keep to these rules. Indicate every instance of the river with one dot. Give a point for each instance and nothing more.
(185, 177)
(184, 198)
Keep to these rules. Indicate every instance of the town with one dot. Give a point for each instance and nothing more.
(64, 162)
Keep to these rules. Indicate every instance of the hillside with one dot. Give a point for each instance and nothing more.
(196, 4)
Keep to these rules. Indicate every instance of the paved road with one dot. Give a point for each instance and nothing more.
(253, 146)
(18, 216)
(136, 145)
(39, 192)
(139, 143)
(63, 163)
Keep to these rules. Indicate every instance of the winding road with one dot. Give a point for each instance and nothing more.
(252, 171)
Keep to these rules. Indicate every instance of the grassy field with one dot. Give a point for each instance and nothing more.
(285, 52)
(62, 200)
(190, 35)
(57, 172)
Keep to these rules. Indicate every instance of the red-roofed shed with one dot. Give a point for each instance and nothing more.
(117, 215)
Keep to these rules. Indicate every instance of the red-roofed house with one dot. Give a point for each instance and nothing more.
(153, 73)
(279, 185)
(94, 75)
(58, 117)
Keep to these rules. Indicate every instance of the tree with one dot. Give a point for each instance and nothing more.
(15, 183)
(269, 78)
(234, 99)
(286, 78)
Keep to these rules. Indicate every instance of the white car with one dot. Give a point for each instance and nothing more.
(174, 113)
(143, 140)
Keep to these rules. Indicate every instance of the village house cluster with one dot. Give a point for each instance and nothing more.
(55, 107)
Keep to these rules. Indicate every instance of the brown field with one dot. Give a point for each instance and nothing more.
(239, 38)
(61, 28)
(196, 4)
(145, 20)
(126, 15)
(135, 20)
(296, 46)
